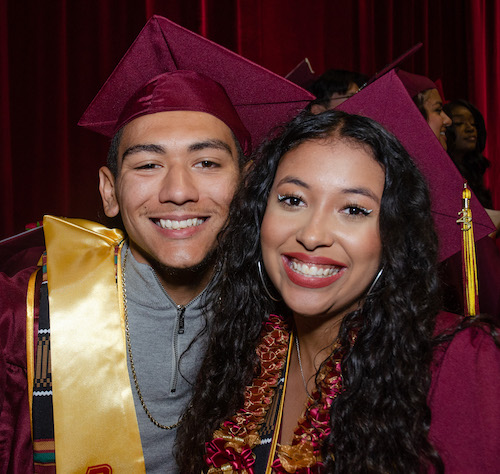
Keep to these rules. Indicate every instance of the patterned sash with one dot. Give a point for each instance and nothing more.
(80, 388)
(42, 415)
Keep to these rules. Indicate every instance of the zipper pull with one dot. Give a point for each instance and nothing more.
(181, 310)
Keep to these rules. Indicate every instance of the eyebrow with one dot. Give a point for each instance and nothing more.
(158, 149)
(211, 143)
(361, 190)
(293, 180)
(148, 147)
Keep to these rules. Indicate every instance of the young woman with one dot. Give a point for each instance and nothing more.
(360, 372)
(466, 142)
(427, 98)
(429, 102)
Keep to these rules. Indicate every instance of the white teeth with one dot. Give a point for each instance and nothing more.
(313, 270)
(171, 224)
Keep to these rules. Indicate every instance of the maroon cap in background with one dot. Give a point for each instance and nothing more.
(387, 101)
(415, 83)
(303, 74)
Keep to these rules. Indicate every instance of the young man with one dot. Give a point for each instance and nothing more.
(111, 372)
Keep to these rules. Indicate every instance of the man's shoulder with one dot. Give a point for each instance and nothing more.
(25, 249)
(69, 233)
(21, 251)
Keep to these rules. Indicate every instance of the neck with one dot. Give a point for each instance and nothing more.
(316, 336)
(183, 285)
(458, 157)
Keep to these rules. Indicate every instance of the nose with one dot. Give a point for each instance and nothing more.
(469, 127)
(446, 120)
(178, 185)
(317, 231)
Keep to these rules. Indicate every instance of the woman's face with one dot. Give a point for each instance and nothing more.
(320, 233)
(436, 117)
(465, 129)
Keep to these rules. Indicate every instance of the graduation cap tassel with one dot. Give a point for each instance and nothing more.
(469, 267)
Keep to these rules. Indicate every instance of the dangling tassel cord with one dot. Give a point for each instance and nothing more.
(469, 267)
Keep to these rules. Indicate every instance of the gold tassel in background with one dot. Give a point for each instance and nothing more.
(469, 267)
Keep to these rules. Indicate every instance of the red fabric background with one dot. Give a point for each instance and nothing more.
(54, 56)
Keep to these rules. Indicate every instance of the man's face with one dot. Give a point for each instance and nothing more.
(336, 98)
(177, 174)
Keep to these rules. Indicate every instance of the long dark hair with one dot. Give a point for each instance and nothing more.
(380, 422)
(473, 165)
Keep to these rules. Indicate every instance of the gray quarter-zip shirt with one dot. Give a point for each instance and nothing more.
(160, 333)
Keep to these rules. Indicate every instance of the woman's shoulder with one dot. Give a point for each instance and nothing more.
(463, 344)
(463, 398)
(451, 329)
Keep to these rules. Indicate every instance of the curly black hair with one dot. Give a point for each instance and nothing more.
(380, 422)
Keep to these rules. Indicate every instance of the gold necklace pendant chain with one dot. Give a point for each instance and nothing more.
(129, 350)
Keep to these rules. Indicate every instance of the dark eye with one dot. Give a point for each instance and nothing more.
(357, 211)
(206, 164)
(290, 200)
(147, 166)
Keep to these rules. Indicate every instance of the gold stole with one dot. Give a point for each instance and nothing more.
(95, 424)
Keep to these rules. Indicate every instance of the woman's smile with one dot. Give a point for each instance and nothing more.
(320, 233)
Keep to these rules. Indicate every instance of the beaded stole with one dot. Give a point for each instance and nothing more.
(231, 447)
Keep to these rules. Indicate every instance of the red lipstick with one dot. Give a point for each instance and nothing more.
(309, 281)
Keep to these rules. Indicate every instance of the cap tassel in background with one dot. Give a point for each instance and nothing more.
(469, 267)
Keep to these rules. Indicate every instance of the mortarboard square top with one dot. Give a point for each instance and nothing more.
(302, 74)
(415, 83)
(171, 68)
(387, 101)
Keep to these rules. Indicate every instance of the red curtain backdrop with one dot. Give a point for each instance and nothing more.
(54, 57)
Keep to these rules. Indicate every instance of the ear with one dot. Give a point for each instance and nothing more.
(108, 192)
(317, 109)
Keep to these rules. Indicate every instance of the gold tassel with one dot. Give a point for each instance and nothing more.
(469, 267)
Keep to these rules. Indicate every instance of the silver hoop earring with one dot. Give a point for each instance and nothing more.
(375, 281)
(261, 275)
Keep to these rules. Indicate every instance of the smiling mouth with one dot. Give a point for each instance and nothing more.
(313, 270)
(172, 224)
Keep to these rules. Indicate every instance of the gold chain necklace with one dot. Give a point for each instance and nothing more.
(129, 350)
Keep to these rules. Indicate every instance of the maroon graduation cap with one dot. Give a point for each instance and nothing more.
(415, 83)
(171, 68)
(387, 101)
(302, 74)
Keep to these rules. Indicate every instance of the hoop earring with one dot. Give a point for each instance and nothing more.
(375, 281)
(261, 275)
